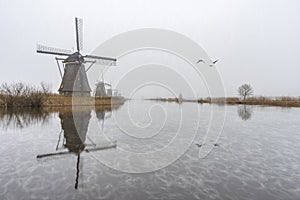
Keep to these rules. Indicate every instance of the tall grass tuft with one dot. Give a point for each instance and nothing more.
(23, 95)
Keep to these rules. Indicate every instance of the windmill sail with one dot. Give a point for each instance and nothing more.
(79, 34)
(52, 50)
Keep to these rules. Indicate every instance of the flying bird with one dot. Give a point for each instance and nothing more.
(200, 61)
(213, 63)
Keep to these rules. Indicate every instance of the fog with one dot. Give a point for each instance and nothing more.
(256, 42)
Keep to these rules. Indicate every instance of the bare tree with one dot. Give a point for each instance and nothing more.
(245, 90)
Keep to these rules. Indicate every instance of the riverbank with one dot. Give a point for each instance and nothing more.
(179, 100)
(57, 101)
(266, 101)
(22, 95)
(263, 101)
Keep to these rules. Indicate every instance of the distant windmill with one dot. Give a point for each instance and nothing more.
(74, 78)
(101, 90)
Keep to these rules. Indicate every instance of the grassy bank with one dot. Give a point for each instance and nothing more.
(17, 95)
(179, 100)
(38, 100)
(21, 95)
(264, 101)
(58, 101)
(267, 101)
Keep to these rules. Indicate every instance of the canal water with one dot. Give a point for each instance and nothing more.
(151, 150)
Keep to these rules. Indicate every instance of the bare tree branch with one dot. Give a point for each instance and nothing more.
(245, 91)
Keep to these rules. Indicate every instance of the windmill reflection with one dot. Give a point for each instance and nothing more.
(244, 112)
(102, 115)
(74, 124)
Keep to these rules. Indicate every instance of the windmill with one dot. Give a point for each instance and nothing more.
(103, 89)
(74, 79)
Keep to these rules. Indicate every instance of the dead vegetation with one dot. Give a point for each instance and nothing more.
(267, 101)
(19, 95)
(23, 95)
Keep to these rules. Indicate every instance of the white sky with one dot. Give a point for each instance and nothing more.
(257, 41)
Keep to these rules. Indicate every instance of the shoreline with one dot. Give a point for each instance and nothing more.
(259, 101)
(62, 101)
(52, 101)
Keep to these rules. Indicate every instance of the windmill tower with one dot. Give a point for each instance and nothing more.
(74, 79)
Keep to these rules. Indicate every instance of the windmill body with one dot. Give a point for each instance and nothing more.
(74, 81)
(100, 89)
(103, 89)
(74, 78)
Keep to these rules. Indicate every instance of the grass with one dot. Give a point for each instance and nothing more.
(54, 100)
(21, 95)
(32, 100)
(179, 101)
(265, 101)
(58, 100)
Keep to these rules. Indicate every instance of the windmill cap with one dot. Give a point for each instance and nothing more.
(75, 57)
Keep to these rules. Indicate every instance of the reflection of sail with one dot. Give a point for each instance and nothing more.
(244, 112)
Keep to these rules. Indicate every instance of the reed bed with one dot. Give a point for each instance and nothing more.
(19, 95)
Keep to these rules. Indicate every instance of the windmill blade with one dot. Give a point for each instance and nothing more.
(51, 50)
(100, 60)
(79, 34)
(106, 62)
(53, 154)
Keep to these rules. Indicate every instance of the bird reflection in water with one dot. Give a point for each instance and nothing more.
(74, 124)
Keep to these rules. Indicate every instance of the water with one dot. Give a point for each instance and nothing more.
(256, 157)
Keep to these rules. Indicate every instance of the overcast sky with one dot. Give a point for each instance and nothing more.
(257, 41)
